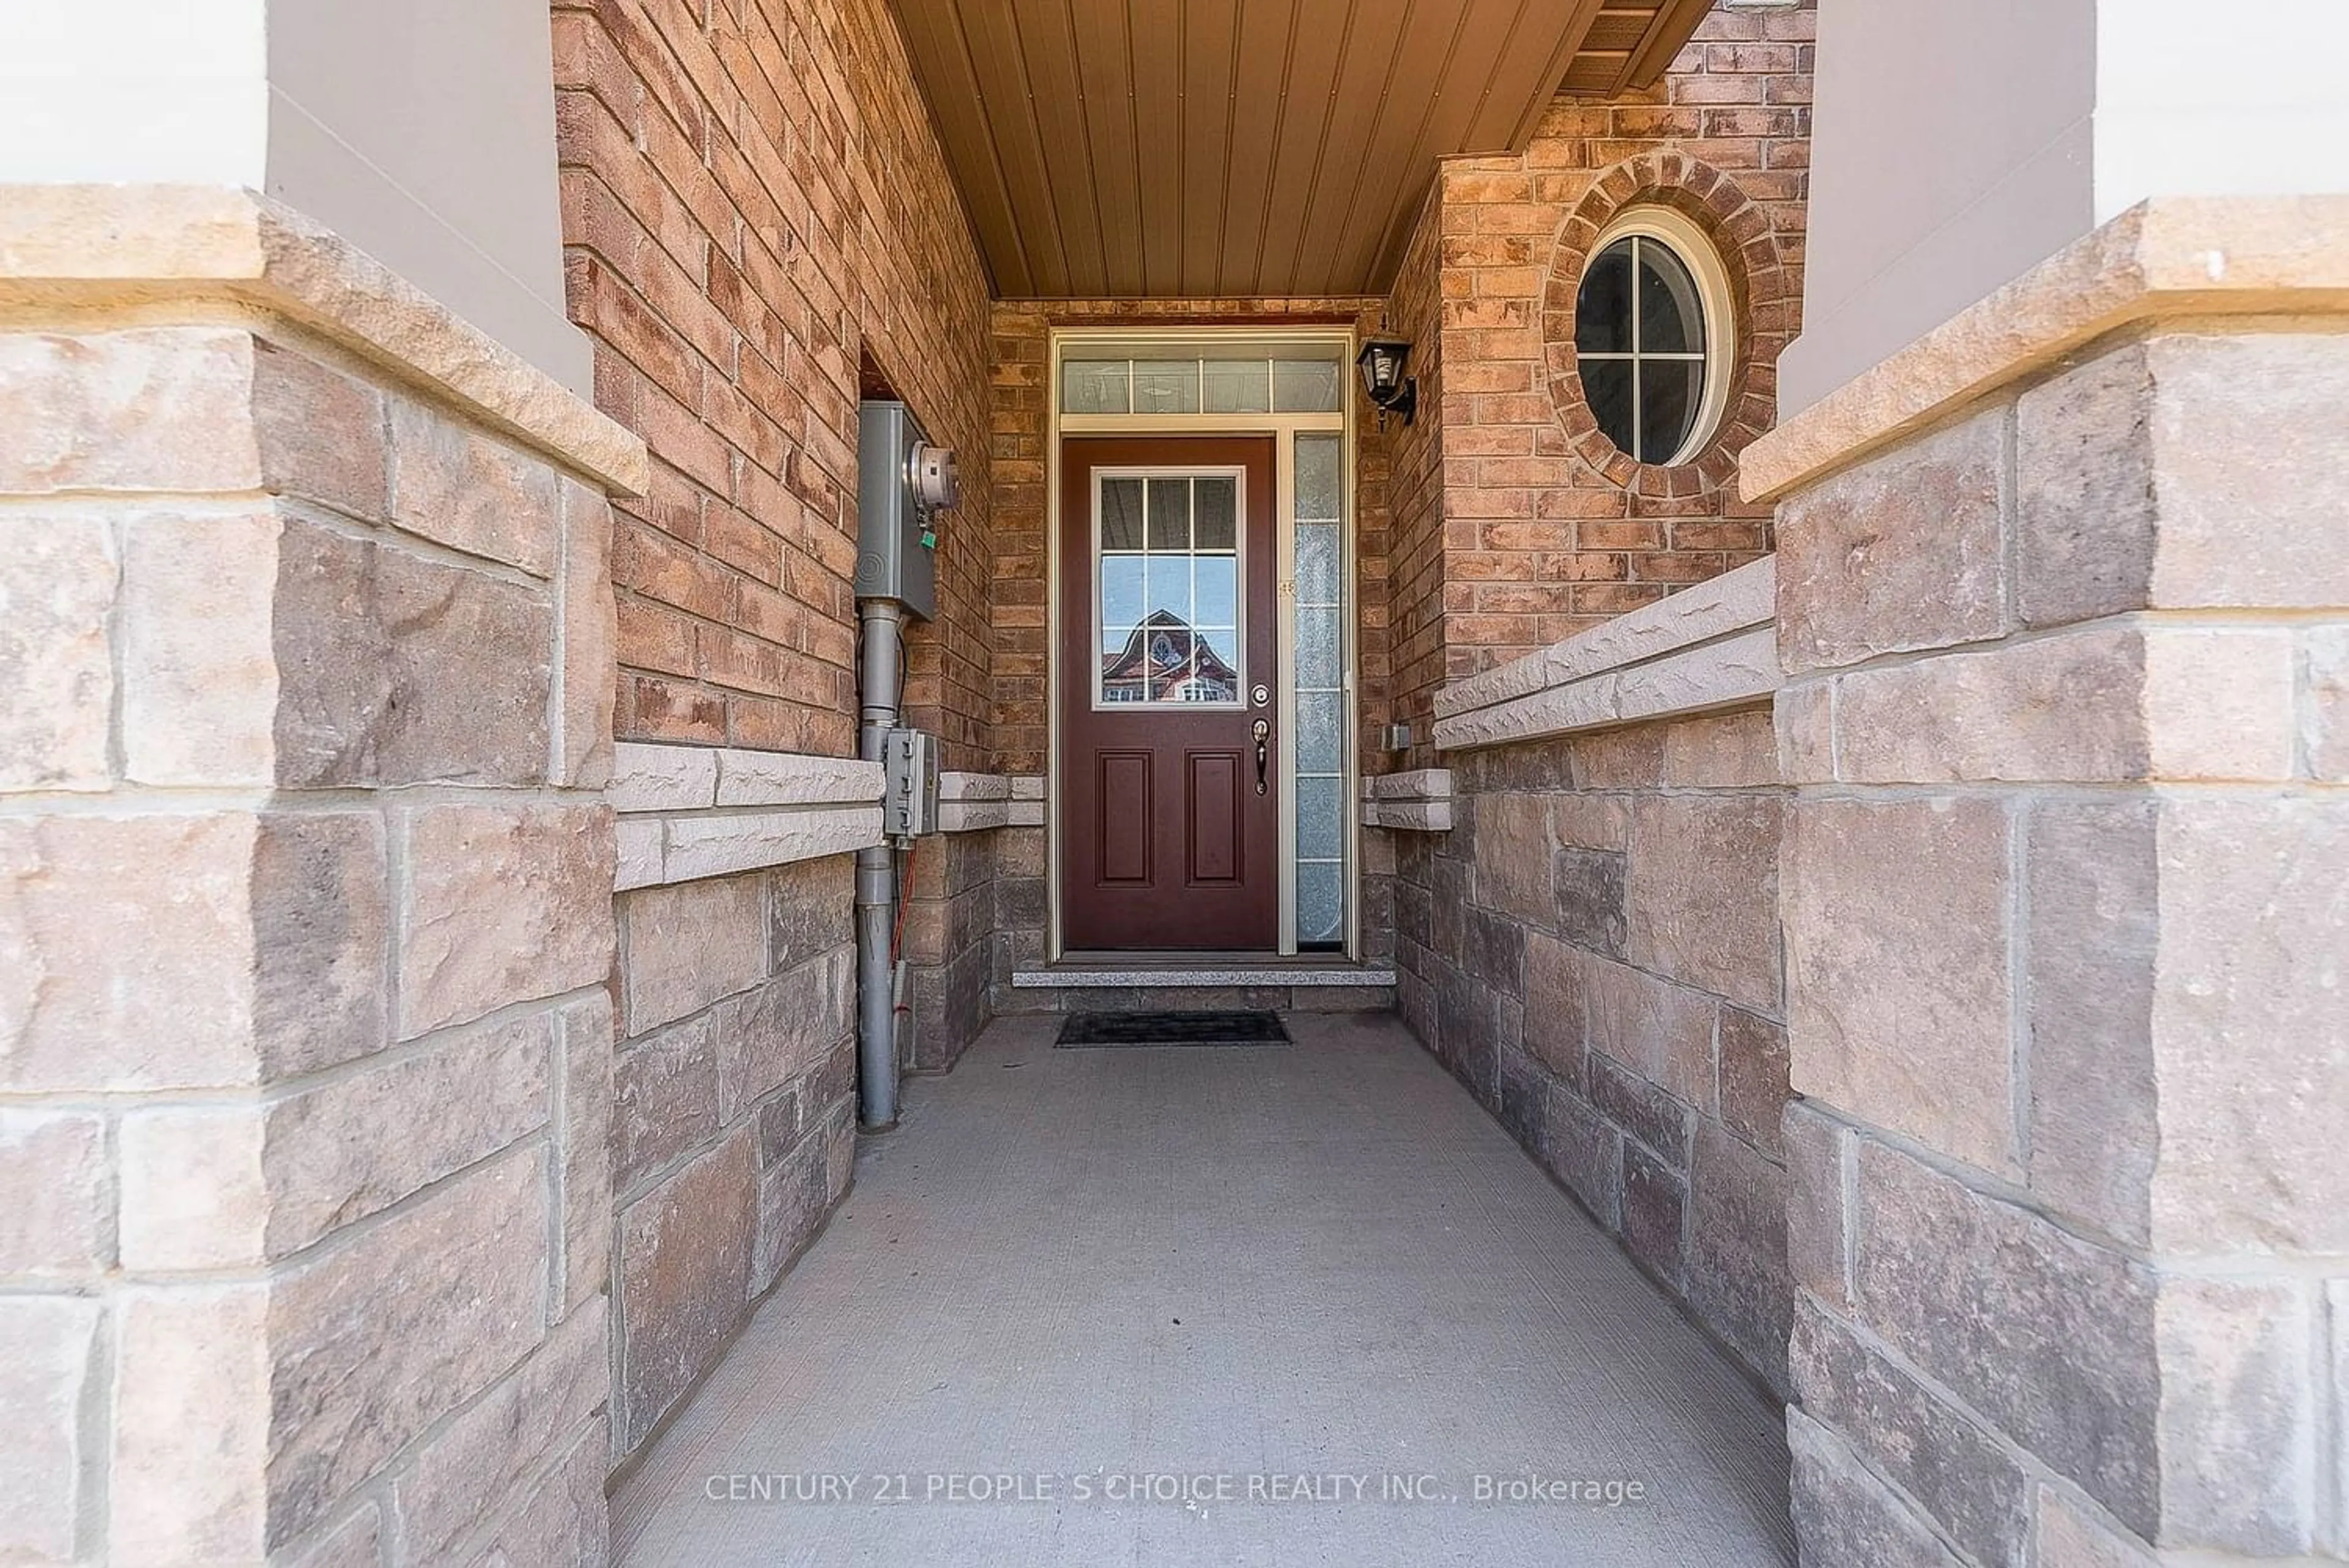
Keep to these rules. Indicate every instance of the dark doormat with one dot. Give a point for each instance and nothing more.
(1095, 1031)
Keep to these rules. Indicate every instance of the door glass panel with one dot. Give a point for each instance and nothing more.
(1169, 592)
(1124, 597)
(1170, 515)
(1214, 511)
(1122, 515)
(1167, 577)
(1216, 588)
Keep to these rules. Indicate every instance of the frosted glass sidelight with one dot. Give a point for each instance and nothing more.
(1321, 484)
(1320, 562)
(1320, 904)
(1319, 657)
(1321, 818)
(1320, 733)
(1318, 613)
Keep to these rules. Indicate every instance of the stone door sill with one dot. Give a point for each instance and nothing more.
(1137, 971)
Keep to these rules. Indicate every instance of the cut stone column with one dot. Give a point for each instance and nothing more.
(2062, 590)
(306, 915)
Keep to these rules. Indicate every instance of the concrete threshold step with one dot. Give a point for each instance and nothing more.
(1115, 971)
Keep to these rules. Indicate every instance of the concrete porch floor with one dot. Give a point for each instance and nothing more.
(1229, 1265)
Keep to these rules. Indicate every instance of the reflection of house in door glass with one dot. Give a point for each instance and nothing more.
(1165, 661)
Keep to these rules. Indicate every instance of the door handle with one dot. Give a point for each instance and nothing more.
(1263, 752)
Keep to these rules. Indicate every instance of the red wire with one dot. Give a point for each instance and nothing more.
(905, 887)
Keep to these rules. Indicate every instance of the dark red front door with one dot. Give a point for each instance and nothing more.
(1169, 780)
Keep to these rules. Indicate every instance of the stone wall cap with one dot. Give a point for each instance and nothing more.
(1731, 603)
(1701, 650)
(1419, 784)
(2169, 258)
(98, 244)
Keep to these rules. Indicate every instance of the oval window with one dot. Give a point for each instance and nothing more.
(1652, 336)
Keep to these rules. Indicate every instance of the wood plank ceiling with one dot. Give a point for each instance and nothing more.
(1220, 149)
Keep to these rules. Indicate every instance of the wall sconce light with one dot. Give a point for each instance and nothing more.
(1382, 363)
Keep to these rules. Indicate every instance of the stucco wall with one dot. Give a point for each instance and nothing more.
(1957, 146)
(423, 132)
(1951, 149)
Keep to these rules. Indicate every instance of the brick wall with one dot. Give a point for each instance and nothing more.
(1544, 529)
(760, 230)
(1413, 602)
(757, 213)
(1594, 951)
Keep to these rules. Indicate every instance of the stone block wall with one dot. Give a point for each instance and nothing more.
(949, 933)
(305, 918)
(1023, 908)
(1593, 949)
(733, 1111)
(2065, 928)
(1518, 523)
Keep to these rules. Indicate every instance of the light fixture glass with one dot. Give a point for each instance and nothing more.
(1382, 363)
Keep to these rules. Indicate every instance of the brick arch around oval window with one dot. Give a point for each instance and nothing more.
(1763, 299)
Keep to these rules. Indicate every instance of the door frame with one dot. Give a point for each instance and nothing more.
(1282, 428)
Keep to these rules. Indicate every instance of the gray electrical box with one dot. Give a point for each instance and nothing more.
(910, 760)
(902, 483)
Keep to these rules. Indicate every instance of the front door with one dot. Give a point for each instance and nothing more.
(1170, 768)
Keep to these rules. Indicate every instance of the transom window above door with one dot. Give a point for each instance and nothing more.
(1167, 607)
(1170, 381)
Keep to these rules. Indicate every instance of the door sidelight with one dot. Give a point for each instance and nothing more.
(1263, 752)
